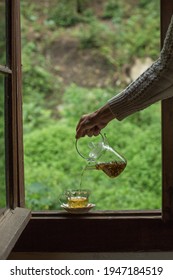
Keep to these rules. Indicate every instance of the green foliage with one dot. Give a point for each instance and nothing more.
(135, 37)
(2, 34)
(127, 36)
(133, 33)
(36, 78)
(113, 9)
(65, 13)
(51, 161)
(95, 35)
(147, 4)
(39, 87)
(74, 95)
(69, 13)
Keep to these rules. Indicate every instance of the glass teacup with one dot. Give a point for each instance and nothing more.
(76, 198)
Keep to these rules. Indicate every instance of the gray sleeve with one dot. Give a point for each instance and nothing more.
(155, 84)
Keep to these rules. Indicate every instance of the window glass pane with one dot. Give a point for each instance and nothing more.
(2, 146)
(2, 33)
(92, 52)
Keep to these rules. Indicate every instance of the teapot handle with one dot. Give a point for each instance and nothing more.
(77, 149)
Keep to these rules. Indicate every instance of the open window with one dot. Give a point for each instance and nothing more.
(14, 216)
(112, 231)
(56, 231)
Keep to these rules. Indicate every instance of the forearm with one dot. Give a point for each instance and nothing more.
(91, 124)
(153, 85)
(103, 115)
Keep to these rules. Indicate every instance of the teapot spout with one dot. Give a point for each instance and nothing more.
(90, 167)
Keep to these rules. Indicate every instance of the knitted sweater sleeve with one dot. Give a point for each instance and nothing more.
(155, 84)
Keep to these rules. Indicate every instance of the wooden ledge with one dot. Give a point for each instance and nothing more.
(12, 223)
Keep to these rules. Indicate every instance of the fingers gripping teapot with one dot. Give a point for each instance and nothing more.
(103, 157)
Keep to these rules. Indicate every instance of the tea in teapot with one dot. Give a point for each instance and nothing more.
(112, 169)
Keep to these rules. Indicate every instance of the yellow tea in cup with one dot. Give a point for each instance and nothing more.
(77, 198)
(77, 202)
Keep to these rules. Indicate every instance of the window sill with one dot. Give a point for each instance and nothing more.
(98, 231)
(12, 223)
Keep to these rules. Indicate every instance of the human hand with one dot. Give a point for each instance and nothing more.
(91, 124)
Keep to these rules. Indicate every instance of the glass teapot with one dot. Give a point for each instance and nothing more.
(103, 157)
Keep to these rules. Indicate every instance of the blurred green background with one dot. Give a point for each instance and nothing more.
(76, 55)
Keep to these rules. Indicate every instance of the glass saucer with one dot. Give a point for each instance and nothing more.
(82, 210)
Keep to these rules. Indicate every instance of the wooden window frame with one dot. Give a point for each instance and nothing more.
(112, 231)
(14, 217)
(167, 130)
